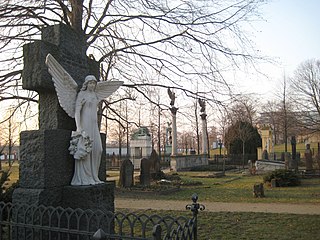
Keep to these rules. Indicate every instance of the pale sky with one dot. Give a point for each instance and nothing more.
(290, 35)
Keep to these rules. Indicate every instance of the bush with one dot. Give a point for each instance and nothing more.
(6, 193)
(284, 178)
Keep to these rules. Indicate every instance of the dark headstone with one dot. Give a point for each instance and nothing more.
(293, 160)
(258, 190)
(318, 156)
(145, 172)
(154, 160)
(273, 183)
(126, 174)
(265, 155)
(308, 157)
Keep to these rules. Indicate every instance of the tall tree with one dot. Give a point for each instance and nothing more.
(184, 42)
(305, 94)
(241, 137)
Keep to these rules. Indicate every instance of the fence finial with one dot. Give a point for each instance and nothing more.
(99, 235)
(195, 207)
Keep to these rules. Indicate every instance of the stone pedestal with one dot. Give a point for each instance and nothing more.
(46, 167)
(95, 197)
(204, 133)
(174, 130)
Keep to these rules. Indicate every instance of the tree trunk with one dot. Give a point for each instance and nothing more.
(76, 14)
(243, 144)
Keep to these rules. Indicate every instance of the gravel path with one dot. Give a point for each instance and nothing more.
(219, 206)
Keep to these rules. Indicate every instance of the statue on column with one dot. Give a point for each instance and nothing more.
(172, 97)
(173, 110)
(202, 104)
(203, 116)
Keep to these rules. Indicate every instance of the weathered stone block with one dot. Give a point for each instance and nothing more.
(46, 197)
(35, 74)
(45, 159)
(94, 197)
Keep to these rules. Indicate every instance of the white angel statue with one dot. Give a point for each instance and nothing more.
(85, 144)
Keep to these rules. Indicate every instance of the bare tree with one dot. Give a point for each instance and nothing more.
(243, 109)
(9, 134)
(244, 133)
(305, 85)
(184, 42)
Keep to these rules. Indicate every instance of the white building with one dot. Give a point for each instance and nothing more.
(140, 146)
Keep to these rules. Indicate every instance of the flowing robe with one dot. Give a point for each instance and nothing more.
(87, 168)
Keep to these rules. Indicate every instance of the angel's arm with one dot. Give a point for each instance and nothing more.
(78, 107)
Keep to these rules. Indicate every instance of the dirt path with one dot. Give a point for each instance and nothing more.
(219, 206)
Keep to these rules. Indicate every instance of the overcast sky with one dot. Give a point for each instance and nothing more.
(290, 34)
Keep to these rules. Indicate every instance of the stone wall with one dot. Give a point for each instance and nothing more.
(178, 163)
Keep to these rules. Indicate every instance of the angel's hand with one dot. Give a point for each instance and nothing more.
(79, 129)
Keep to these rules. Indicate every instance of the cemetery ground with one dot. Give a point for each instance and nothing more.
(231, 210)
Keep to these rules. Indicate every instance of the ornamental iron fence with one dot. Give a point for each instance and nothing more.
(21, 222)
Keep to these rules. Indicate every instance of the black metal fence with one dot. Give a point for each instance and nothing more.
(20, 222)
(237, 160)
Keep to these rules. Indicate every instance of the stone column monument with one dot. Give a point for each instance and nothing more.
(173, 110)
(293, 161)
(203, 116)
(46, 167)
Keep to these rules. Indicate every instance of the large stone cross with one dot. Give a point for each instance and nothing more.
(70, 51)
(46, 167)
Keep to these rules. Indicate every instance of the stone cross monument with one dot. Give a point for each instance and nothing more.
(203, 116)
(46, 167)
(173, 110)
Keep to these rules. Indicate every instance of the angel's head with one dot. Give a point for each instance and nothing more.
(90, 83)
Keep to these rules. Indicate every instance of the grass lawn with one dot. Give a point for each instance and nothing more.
(235, 187)
(235, 226)
(14, 173)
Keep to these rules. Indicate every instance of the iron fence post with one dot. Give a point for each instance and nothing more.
(195, 207)
(156, 232)
(99, 235)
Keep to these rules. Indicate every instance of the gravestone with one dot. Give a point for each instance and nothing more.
(318, 156)
(258, 190)
(126, 174)
(145, 172)
(46, 167)
(309, 160)
(273, 183)
(293, 161)
(265, 155)
(154, 160)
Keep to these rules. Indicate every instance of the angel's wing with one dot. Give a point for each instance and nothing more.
(105, 88)
(64, 84)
